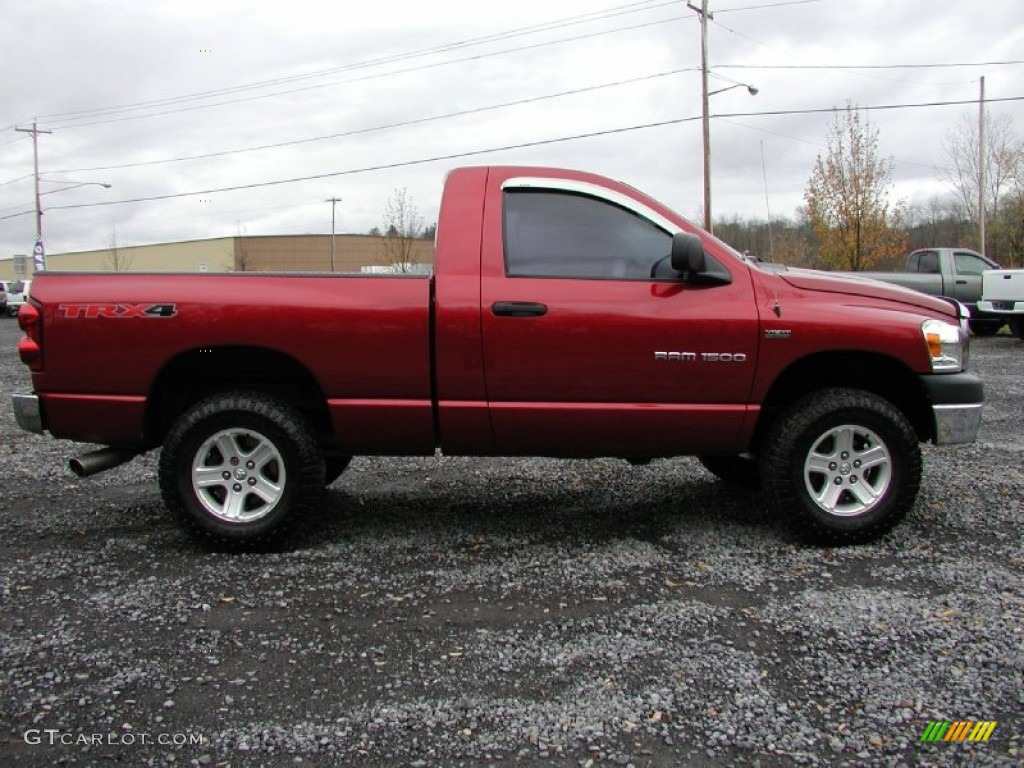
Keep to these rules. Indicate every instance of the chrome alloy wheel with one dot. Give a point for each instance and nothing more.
(238, 475)
(848, 470)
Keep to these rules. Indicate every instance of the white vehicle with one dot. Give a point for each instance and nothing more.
(17, 294)
(1002, 293)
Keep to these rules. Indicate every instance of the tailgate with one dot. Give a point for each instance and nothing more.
(1003, 286)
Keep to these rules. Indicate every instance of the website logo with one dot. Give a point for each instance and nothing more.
(958, 730)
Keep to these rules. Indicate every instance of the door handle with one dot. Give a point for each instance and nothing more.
(519, 309)
(961, 282)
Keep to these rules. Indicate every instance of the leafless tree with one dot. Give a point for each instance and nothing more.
(239, 258)
(1012, 220)
(402, 227)
(939, 221)
(117, 260)
(1004, 172)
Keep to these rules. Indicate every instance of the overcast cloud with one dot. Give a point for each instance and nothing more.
(79, 66)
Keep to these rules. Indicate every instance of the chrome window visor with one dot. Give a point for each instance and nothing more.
(596, 191)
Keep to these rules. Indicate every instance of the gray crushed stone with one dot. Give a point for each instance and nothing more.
(446, 612)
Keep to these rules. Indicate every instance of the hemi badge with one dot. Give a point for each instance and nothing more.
(777, 334)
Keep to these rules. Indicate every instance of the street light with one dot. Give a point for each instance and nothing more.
(39, 253)
(72, 185)
(707, 138)
(750, 89)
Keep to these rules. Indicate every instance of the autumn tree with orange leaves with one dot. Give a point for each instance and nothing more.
(847, 198)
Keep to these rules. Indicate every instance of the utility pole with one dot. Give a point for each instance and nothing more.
(332, 201)
(38, 253)
(981, 165)
(703, 14)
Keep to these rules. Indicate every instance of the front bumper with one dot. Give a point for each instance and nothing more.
(956, 400)
(27, 412)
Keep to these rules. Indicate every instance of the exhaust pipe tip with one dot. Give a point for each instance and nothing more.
(100, 460)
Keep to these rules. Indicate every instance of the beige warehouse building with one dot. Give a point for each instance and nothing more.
(277, 253)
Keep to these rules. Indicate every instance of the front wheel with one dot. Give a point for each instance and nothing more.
(846, 462)
(237, 466)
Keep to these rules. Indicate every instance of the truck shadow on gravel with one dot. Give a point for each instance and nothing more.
(484, 507)
(600, 501)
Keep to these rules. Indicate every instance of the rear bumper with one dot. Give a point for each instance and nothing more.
(27, 412)
(1002, 307)
(956, 402)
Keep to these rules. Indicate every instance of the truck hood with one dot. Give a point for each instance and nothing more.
(851, 285)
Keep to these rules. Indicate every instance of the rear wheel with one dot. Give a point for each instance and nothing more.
(238, 466)
(846, 462)
(1017, 327)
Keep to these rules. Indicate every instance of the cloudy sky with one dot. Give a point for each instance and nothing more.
(181, 100)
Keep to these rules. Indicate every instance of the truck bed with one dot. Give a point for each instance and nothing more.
(364, 339)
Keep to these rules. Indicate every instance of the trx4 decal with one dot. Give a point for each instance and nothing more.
(119, 311)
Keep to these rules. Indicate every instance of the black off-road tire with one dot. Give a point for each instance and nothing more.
(740, 471)
(1017, 326)
(849, 426)
(238, 467)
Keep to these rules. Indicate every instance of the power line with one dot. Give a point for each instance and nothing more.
(851, 66)
(16, 215)
(400, 124)
(478, 57)
(772, 133)
(72, 118)
(416, 121)
(523, 145)
(871, 66)
(378, 76)
(740, 34)
(929, 166)
(508, 34)
(12, 181)
(12, 141)
(768, 5)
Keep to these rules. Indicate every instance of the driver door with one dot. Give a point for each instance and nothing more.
(585, 353)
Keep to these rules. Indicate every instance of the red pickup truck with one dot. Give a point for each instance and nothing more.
(568, 316)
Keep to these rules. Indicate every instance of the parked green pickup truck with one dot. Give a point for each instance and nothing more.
(951, 273)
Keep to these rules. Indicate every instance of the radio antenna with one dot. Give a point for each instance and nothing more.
(764, 175)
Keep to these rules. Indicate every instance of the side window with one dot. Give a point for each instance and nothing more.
(969, 264)
(928, 263)
(563, 234)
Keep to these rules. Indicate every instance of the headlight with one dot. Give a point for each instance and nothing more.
(947, 345)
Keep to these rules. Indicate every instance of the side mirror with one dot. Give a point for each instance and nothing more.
(688, 254)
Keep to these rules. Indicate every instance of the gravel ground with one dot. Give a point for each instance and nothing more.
(446, 612)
